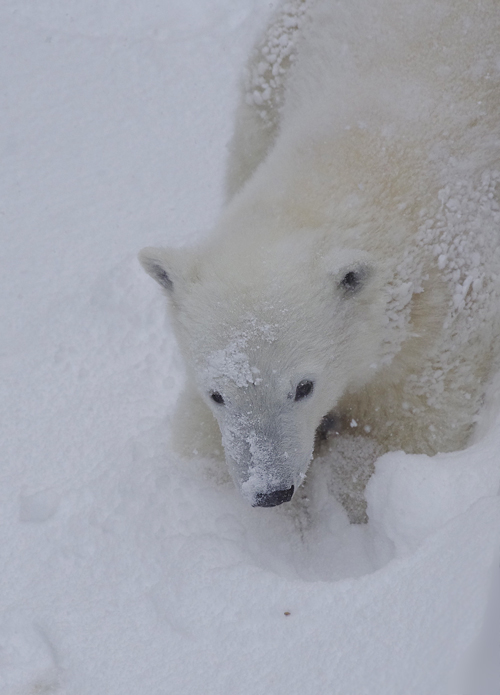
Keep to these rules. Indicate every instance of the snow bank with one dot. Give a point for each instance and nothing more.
(125, 569)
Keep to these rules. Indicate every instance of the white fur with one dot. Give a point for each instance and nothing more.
(367, 141)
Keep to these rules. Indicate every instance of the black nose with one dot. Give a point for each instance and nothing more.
(272, 499)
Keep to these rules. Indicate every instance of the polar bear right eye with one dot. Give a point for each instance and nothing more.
(217, 398)
(303, 389)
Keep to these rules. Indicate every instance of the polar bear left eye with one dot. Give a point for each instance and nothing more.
(217, 398)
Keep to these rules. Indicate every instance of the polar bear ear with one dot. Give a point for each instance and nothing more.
(351, 270)
(354, 278)
(171, 268)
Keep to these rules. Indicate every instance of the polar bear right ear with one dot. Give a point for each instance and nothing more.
(171, 268)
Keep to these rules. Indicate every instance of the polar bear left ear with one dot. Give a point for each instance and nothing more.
(351, 270)
(353, 278)
(171, 268)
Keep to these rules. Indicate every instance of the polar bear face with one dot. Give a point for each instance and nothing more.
(272, 343)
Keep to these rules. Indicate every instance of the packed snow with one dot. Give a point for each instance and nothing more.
(126, 570)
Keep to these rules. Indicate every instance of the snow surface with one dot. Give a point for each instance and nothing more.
(124, 569)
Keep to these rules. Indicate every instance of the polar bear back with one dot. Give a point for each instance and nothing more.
(429, 67)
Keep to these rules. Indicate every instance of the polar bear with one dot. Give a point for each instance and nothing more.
(353, 277)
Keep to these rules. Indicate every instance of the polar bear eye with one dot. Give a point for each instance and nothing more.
(217, 398)
(351, 281)
(303, 389)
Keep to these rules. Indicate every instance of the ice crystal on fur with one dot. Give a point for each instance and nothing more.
(265, 78)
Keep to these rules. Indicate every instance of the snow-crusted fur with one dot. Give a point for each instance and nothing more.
(359, 248)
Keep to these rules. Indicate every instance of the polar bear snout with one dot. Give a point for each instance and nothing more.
(267, 465)
(273, 499)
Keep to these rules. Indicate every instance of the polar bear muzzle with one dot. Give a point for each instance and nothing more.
(273, 499)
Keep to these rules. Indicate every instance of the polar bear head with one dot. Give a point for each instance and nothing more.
(273, 337)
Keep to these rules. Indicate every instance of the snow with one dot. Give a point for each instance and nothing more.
(231, 362)
(124, 568)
